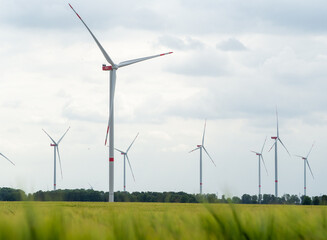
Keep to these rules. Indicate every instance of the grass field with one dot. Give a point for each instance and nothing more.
(71, 220)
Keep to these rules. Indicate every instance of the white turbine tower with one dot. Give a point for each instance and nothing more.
(259, 162)
(202, 147)
(56, 150)
(306, 162)
(275, 145)
(126, 156)
(7, 159)
(110, 129)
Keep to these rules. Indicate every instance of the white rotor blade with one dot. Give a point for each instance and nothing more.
(129, 62)
(272, 146)
(209, 155)
(310, 150)
(63, 136)
(7, 159)
(263, 145)
(264, 164)
(49, 136)
(59, 162)
(255, 152)
(193, 150)
(204, 131)
(277, 123)
(105, 54)
(310, 169)
(130, 167)
(112, 95)
(299, 156)
(284, 146)
(131, 143)
(119, 150)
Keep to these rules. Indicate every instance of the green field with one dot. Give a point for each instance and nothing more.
(76, 220)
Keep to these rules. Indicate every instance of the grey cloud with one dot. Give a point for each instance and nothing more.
(231, 44)
(88, 115)
(201, 64)
(180, 44)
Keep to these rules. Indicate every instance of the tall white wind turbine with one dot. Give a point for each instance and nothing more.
(7, 159)
(202, 147)
(110, 129)
(55, 146)
(259, 164)
(306, 162)
(275, 145)
(126, 156)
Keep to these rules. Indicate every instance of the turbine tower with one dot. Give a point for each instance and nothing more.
(202, 147)
(110, 129)
(275, 145)
(306, 162)
(55, 146)
(260, 159)
(126, 156)
(7, 159)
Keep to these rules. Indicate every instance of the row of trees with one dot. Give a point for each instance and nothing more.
(89, 195)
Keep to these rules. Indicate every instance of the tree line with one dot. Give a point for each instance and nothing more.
(90, 195)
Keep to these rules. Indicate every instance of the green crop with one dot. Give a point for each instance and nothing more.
(76, 220)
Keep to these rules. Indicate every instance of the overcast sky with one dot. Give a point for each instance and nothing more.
(233, 63)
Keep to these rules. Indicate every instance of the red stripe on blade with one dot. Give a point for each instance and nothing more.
(111, 159)
(276, 181)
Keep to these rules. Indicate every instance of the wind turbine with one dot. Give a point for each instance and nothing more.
(7, 159)
(126, 156)
(56, 150)
(261, 158)
(202, 147)
(112, 69)
(306, 162)
(275, 145)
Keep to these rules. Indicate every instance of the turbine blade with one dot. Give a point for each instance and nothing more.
(59, 162)
(49, 136)
(131, 143)
(263, 145)
(272, 146)
(105, 140)
(204, 131)
(130, 167)
(284, 146)
(129, 62)
(264, 164)
(193, 150)
(112, 95)
(310, 169)
(254, 152)
(63, 136)
(209, 155)
(310, 149)
(7, 159)
(119, 150)
(105, 54)
(299, 156)
(277, 123)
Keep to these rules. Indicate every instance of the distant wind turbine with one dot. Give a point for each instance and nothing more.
(275, 145)
(126, 156)
(56, 150)
(202, 147)
(113, 68)
(261, 159)
(7, 159)
(306, 162)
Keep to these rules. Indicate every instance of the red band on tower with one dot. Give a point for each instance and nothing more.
(111, 159)
(276, 181)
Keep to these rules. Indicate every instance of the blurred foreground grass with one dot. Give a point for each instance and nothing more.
(75, 220)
